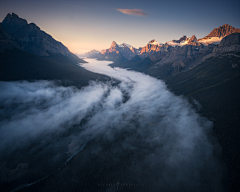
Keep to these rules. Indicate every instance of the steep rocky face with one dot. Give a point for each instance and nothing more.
(30, 38)
(223, 31)
(12, 23)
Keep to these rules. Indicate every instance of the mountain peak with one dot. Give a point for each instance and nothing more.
(12, 23)
(223, 31)
(39, 43)
(114, 44)
(14, 15)
(193, 38)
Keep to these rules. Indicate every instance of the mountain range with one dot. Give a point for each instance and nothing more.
(184, 53)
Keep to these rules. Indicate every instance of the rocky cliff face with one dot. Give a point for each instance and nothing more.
(30, 38)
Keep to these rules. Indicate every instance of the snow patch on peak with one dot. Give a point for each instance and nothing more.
(125, 45)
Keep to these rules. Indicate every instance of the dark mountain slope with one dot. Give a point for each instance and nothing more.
(215, 84)
(135, 63)
(19, 65)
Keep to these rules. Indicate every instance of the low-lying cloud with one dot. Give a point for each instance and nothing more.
(164, 140)
(137, 12)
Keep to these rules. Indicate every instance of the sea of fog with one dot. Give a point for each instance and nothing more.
(153, 137)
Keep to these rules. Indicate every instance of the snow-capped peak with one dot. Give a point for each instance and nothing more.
(125, 45)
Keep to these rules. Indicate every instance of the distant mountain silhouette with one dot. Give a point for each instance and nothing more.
(30, 38)
(28, 53)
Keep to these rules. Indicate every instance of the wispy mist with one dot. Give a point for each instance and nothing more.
(165, 141)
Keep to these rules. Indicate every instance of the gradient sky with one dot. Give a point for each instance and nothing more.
(83, 25)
